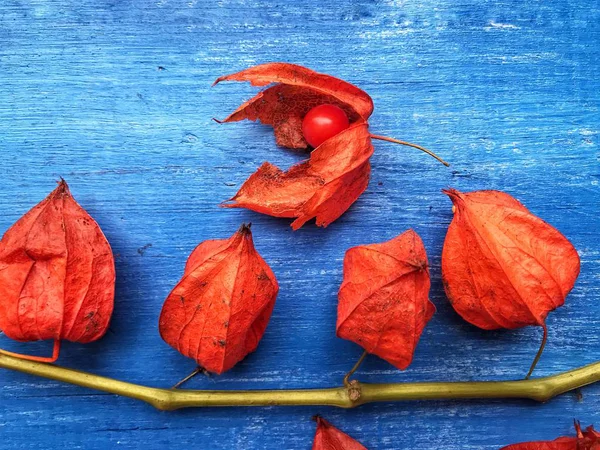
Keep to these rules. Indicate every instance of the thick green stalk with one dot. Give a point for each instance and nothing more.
(540, 389)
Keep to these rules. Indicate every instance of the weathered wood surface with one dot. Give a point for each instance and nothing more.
(115, 96)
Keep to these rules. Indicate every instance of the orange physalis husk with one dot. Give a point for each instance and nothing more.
(584, 440)
(57, 275)
(502, 266)
(383, 302)
(219, 310)
(338, 170)
(329, 437)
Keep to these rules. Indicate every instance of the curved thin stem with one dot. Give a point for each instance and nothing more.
(44, 359)
(196, 371)
(410, 144)
(538, 355)
(540, 389)
(355, 368)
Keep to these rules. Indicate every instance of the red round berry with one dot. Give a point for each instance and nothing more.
(323, 122)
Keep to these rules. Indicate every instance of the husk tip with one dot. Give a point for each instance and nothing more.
(231, 203)
(451, 191)
(245, 228)
(62, 186)
(319, 419)
(454, 194)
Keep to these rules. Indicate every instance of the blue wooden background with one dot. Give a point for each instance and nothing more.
(115, 96)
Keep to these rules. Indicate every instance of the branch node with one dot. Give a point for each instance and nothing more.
(354, 391)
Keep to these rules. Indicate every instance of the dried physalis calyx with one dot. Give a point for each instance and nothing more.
(329, 437)
(383, 303)
(57, 275)
(583, 440)
(304, 106)
(502, 266)
(219, 310)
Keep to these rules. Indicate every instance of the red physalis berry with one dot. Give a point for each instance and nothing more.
(323, 122)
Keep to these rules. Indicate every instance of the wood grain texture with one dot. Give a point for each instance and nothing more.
(115, 96)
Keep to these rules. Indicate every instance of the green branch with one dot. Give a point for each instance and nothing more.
(540, 389)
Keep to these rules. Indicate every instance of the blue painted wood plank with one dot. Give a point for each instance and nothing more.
(115, 97)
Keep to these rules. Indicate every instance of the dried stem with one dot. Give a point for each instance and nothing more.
(44, 359)
(539, 353)
(355, 368)
(196, 371)
(410, 144)
(540, 389)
